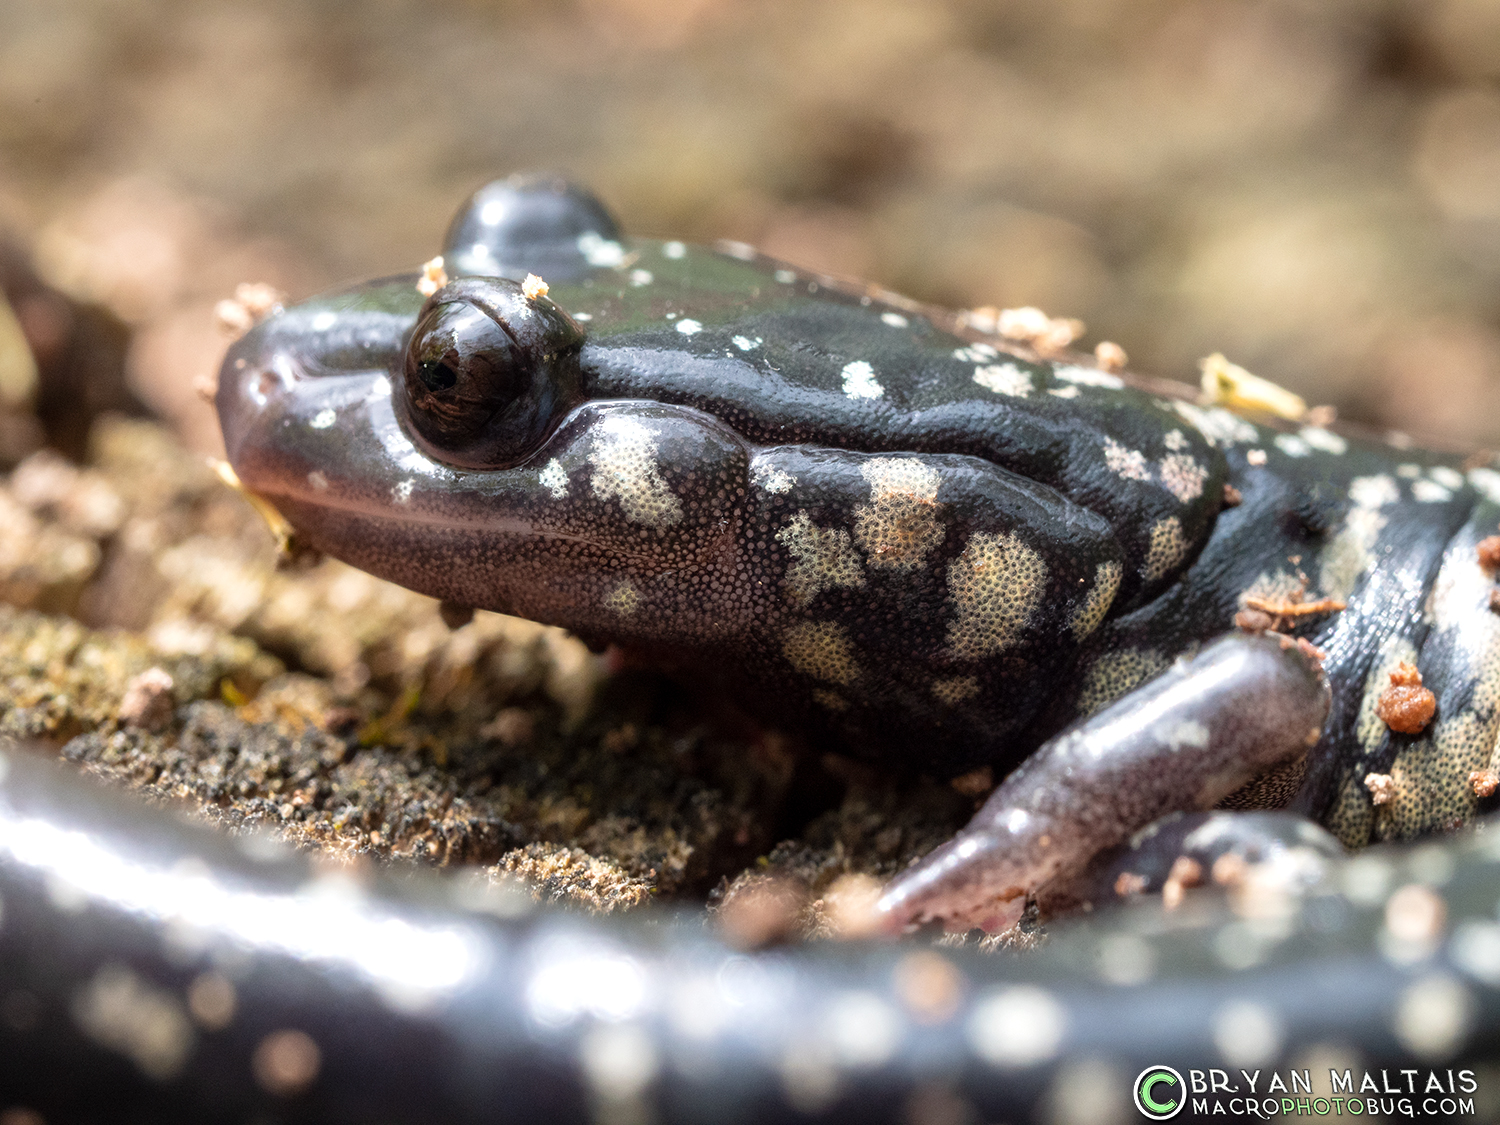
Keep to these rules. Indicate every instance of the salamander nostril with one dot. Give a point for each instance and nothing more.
(264, 384)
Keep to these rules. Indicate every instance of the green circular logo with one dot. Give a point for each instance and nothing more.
(1159, 1093)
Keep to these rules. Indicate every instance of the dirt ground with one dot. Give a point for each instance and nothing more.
(1311, 188)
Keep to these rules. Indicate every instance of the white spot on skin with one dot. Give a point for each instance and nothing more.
(1326, 440)
(1183, 476)
(1018, 1027)
(317, 480)
(1187, 733)
(822, 559)
(1487, 482)
(894, 319)
(995, 586)
(1247, 1034)
(1430, 492)
(673, 250)
(1063, 392)
(125, 1013)
(583, 318)
(860, 382)
(1408, 471)
(1448, 478)
(624, 461)
(554, 479)
(599, 251)
(324, 321)
(976, 353)
(1004, 379)
(1373, 491)
(639, 278)
(689, 327)
(1088, 377)
(1433, 1016)
(900, 525)
(401, 494)
(786, 277)
(746, 343)
(1127, 464)
(770, 478)
(741, 250)
(1176, 441)
(1217, 425)
(1292, 445)
(863, 1029)
(324, 418)
(1125, 960)
(1256, 457)
(1351, 552)
(620, 1061)
(1475, 949)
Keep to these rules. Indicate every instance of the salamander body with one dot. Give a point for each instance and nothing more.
(935, 546)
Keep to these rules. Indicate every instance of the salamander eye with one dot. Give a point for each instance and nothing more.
(487, 373)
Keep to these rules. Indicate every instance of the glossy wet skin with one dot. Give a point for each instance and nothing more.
(933, 549)
(809, 488)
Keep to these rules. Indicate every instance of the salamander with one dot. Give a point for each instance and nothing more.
(930, 543)
(926, 543)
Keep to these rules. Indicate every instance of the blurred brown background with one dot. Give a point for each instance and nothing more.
(1311, 186)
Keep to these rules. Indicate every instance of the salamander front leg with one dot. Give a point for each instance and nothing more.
(1242, 707)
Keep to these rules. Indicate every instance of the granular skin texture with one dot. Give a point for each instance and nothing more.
(342, 714)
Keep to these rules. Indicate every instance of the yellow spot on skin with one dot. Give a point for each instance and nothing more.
(900, 525)
(830, 699)
(822, 650)
(955, 690)
(1115, 673)
(822, 558)
(624, 599)
(1431, 771)
(1087, 616)
(624, 461)
(1168, 546)
(996, 585)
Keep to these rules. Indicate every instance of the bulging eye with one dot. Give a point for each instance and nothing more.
(488, 372)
